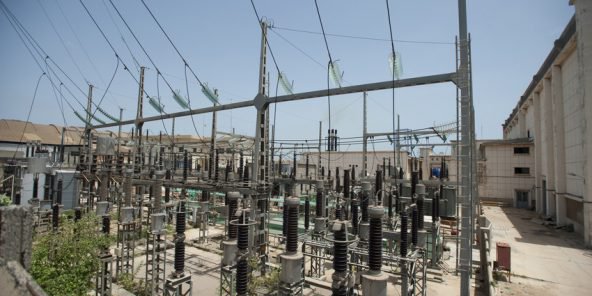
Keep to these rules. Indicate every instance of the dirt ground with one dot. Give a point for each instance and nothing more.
(545, 260)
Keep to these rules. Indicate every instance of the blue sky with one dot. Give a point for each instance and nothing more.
(221, 42)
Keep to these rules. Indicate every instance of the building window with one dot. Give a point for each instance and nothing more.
(521, 150)
(521, 171)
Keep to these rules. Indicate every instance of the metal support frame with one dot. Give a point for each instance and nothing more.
(103, 278)
(156, 262)
(181, 286)
(316, 255)
(126, 245)
(227, 281)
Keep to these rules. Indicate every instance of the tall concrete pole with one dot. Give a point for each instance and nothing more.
(139, 114)
(261, 103)
(465, 264)
(119, 130)
(365, 143)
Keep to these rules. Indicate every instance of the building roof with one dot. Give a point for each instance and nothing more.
(11, 131)
(568, 33)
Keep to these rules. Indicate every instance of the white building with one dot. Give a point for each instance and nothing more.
(556, 112)
(505, 171)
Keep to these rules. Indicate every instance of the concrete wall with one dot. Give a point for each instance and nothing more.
(497, 180)
(562, 125)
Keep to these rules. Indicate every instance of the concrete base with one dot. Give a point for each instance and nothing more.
(230, 249)
(374, 284)
(291, 267)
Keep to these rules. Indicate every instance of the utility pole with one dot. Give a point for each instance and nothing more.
(467, 134)
(140, 112)
(213, 142)
(261, 103)
(119, 130)
(365, 143)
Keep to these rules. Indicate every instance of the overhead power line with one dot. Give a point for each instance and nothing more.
(363, 37)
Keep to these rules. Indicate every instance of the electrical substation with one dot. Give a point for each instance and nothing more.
(234, 214)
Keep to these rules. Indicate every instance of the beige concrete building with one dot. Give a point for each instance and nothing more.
(556, 112)
(505, 171)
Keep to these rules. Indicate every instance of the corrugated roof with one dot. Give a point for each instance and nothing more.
(12, 130)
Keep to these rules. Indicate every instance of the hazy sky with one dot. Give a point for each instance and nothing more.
(221, 42)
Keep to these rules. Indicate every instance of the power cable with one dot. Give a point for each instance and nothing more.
(62, 41)
(28, 115)
(362, 37)
(152, 61)
(329, 65)
(393, 70)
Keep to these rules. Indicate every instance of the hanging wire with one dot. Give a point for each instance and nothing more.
(28, 115)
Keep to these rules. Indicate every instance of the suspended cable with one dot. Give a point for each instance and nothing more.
(362, 37)
(28, 115)
(393, 71)
(62, 42)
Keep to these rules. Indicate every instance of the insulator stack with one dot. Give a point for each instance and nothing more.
(404, 239)
(106, 224)
(375, 238)
(205, 195)
(414, 224)
(337, 180)
(240, 166)
(232, 206)
(355, 215)
(285, 217)
(338, 213)
(398, 201)
(390, 204)
(339, 286)
(434, 205)
(55, 216)
(179, 262)
(216, 165)
(242, 268)
(246, 173)
(440, 196)
(378, 186)
(292, 238)
(46, 187)
(157, 192)
(319, 203)
(185, 165)
(167, 190)
(353, 173)
(243, 232)
(346, 184)
(340, 250)
(59, 193)
(420, 212)
(77, 214)
(306, 214)
(364, 207)
(226, 172)
(414, 180)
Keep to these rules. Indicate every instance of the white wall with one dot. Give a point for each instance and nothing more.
(498, 180)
